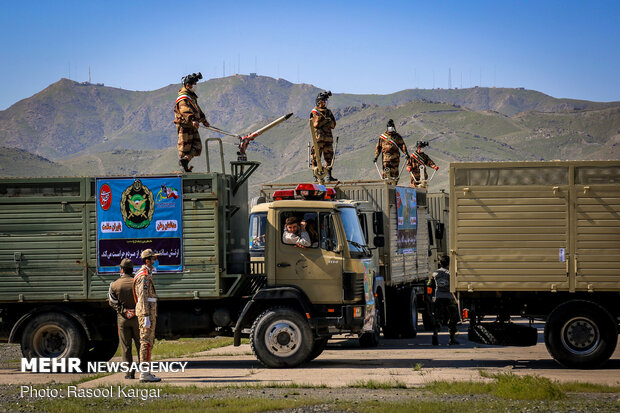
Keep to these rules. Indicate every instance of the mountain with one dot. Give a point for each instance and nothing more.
(75, 129)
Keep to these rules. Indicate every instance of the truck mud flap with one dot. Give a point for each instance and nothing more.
(503, 334)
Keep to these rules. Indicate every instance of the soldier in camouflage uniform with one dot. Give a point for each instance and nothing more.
(187, 117)
(146, 309)
(323, 122)
(416, 159)
(390, 145)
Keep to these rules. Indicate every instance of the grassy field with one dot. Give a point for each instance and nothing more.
(501, 393)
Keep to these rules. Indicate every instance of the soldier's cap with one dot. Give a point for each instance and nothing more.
(127, 264)
(148, 253)
(291, 220)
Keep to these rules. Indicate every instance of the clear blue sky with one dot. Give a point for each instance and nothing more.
(567, 49)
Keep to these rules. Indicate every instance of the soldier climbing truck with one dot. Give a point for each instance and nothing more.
(537, 240)
(58, 254)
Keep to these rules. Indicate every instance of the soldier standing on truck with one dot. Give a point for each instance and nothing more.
(146, 310)
(390, 145)
(416, 159)
(120, 297)
(323, 121)
(444, 303)
(188, 116)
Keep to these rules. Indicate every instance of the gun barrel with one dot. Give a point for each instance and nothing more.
(269, 126)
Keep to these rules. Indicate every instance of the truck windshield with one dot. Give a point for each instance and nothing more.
(258, 222)
(353, 231)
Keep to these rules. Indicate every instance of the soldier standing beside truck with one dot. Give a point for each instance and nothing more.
(444, 304)
(323, 122)
(146, 309)
(188, 116)
(416, 159)
(390, 145)
(120, 297)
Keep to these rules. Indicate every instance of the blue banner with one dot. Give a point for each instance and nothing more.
(407, 216)
(134, 214)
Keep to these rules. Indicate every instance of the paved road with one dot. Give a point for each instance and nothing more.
(412, 362)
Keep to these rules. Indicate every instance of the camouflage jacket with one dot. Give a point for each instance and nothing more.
(390, 144)
(419, 158)
(186, 109)
(144, 293)
(323, 122)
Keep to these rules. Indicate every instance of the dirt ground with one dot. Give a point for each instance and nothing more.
(412, 362)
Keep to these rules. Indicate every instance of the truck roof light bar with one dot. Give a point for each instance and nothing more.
(311, 191)
(330, 194)
(283, 194)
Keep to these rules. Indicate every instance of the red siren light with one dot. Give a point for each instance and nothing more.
(283, 194)
(330, 194)
(311, 191)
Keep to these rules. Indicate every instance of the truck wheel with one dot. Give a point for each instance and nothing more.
(581, 334)
(281, 337)
(409, 328)
(317, 348)
(52, 335)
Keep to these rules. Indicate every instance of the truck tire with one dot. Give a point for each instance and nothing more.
(53, 335)
(281, 338)
(581, 334)
(317, 348)
(391, 328)
(409, 326)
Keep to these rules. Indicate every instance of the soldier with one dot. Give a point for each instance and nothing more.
(390, 145)
(187, 117)
(416, 159)
(146, 310)
(445, 307)
(120, 297)
(323, 122)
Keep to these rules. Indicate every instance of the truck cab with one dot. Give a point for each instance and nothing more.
(329, 283)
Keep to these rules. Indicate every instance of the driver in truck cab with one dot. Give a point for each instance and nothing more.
(296, 234)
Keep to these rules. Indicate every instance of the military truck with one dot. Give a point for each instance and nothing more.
(539, 240)
(394, 221)
(53, 287)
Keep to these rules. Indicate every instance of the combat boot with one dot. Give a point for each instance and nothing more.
(130, 375)
(330, 178)
(184, 164)
(453, 341)
(149, 378)
(435, 339)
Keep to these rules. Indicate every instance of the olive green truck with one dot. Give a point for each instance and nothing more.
(538, 240)
(53, 298)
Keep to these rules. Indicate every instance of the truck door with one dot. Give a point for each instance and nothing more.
(596, 228)
(317, 269)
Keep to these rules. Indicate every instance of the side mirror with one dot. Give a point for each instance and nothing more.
(377, 222)
(379, 241)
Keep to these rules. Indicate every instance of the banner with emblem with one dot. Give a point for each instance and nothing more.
(407, 220)
(134, 214)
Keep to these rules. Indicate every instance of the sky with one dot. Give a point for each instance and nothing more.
(566, 49)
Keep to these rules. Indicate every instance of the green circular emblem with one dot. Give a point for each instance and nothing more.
(137, 205)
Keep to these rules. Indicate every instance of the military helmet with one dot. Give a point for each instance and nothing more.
(323, 96)
(191, 79)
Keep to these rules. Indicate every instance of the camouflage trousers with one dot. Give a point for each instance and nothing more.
(390, 168)
(189, 144)
(147, 339)
(326, 148)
